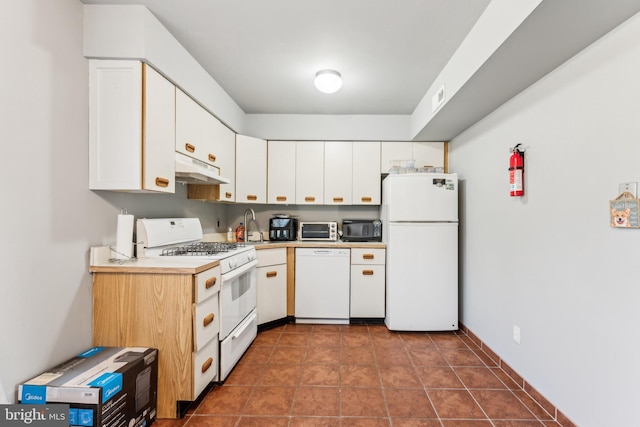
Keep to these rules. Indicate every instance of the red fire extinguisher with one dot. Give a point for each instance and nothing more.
(516, 172)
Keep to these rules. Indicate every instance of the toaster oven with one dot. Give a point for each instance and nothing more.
(323, 231)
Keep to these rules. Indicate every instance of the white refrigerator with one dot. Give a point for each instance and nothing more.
(420, 228)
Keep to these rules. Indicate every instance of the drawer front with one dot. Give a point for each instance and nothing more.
(367, 256)
(233, 347)
(205, 366)
(272, 256)
(207, 284)
(206, 322)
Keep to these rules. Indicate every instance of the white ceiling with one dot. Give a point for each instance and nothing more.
(265, 53)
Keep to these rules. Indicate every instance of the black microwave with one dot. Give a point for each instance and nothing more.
(361, 230)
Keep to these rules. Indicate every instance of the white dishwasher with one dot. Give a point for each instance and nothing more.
(322, 285)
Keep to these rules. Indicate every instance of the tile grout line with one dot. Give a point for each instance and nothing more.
(521, 387)
(460, 379)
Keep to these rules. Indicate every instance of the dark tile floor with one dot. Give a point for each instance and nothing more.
(364, 375)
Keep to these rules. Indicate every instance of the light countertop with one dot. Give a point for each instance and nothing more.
(100, 258)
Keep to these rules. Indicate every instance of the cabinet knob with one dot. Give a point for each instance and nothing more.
(366, 199)
(210, 283)
(212, 158)
(309, 199)
(207, 364)
(227, 195)
(338, 199)
(189, 147)
(252, 197)
(367, 256)
(162, 182)
(208, 319)
(281, 198)
(367, 272)
(272, 273)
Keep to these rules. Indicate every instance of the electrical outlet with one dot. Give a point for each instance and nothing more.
(516, 334)
(629, 187)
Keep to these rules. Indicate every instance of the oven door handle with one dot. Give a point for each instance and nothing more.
(241, 330)
(238, 271)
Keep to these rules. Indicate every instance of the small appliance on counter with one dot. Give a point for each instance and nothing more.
(283, 227)
(362, 230)
(320, 230)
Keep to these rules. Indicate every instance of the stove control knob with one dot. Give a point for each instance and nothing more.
(233, 263)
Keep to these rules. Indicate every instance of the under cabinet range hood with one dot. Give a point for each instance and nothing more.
(194, 171)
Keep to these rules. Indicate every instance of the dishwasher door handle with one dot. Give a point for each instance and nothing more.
(322, 252)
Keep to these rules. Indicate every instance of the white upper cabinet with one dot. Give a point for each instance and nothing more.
(424, 153)
(251, 169)
(225, 149)
(159, 132)
(198, 132)
(394, 150)
(189, 116)
(366, 173)
(428, 154)
(309, 172)
(338, 172)
(281, 172)
(124, 154)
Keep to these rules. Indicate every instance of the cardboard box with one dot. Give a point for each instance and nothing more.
(104, 387)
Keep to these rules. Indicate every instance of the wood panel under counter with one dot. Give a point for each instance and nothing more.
(159, 306)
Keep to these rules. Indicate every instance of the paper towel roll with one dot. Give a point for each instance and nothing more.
(124, 238)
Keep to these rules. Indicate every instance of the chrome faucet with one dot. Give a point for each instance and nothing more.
(246, 223)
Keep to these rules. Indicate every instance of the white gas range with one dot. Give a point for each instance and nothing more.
(182, 237)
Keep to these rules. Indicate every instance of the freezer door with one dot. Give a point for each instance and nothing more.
(422, 277)
(420, 197)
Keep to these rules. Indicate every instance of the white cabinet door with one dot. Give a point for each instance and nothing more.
(338, 172)
(367, 291)
(211, 129)
(188, 119)
(366, 173)
(159, 132)
(309, 172)
(281, 171)
(367, 283)
(202, 136)
(428, 154)
(251, 169)
(394, 150)
(425, 153)
(272, 284)
(121, 156)
(225, 140)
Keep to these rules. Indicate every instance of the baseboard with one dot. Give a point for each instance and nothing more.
(534, 394)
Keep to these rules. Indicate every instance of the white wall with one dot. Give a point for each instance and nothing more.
(549, 262)
(48, 217)
(133, 32)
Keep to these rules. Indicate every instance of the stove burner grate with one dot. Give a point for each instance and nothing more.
(199, 249)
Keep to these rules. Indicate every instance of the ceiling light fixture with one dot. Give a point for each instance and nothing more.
(328, 81)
